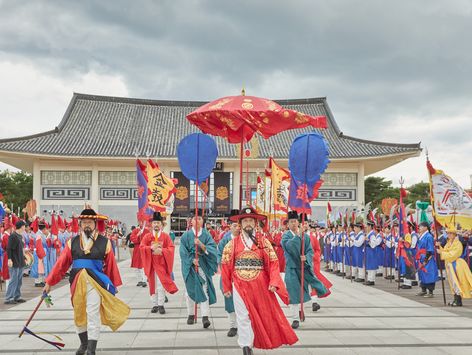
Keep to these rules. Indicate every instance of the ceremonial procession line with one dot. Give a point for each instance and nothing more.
(353, 320)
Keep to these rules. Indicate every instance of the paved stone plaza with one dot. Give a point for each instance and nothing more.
(355, 319)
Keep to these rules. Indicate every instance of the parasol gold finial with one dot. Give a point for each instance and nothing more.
(243, 92)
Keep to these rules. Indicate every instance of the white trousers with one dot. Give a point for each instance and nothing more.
(295, 311)
(340, 267)
(245, 332)
(358, 272)
(158, 298)
(93, 314)
(232, 320)
(141, 275)
(371, 275)
(204, 306)
(380, 269)
(406, 281)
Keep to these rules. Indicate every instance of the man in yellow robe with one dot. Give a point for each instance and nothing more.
(457, 270)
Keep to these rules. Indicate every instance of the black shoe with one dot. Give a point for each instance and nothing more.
(162, 310)
(295, 324)
(91, 347)
(421, 293)
(191, 320)
(20, 300)
(315, 307)
(206, 322)
(379, 274)
(83, 344)
(247, 350)
(166, 300)
(10, 302)
(155, 309)
(414, 283)
(370, 283)
(457, 301)
(38, 285)
(140, 283)
(232, 332)
(359, 280)
(390, 277)
(342, 274)
(405, 287)
(143, 284)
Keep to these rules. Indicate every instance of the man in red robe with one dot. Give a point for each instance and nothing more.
(8, 228)
(94, 278)
(136, 262)
(157, 252)
(315, 236)
(250, 273)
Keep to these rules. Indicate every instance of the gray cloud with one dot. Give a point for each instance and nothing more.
(378, 62)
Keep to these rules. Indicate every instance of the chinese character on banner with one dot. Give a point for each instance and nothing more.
(160, 187)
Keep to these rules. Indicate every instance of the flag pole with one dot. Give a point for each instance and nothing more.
(431, 199)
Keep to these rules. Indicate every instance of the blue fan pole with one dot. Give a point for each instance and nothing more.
(195, 309)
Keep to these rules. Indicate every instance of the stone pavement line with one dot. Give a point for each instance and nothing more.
(355, 320)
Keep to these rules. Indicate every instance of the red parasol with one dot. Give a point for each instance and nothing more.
(238, 118)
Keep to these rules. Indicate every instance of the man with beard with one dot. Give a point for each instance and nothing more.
(229, 304)
(294, 256)
(250, 273)
(157, 252)
(198, 255)
(94, 277)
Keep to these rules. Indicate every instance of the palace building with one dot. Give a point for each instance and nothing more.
(90, 157)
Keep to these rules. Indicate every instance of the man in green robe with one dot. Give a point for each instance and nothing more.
(292, 246)
(198, 270)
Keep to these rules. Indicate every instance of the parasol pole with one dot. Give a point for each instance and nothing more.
(248, 199)
(241, 170)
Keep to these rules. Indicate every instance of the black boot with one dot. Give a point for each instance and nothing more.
(457, 301)
(206, 322)
(247, 350)
(161, 309)
(232, 332)
(83, 344)
(315, 307)
(91, 347)
(191, 320)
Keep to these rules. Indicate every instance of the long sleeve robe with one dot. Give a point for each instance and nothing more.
(292, 248)
(269, 324)
(207, 262)
(458, 272)
(113, 311)
(162, 265)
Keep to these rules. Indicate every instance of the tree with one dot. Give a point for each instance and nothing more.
(377, 188)
(418, 192)
(16, 188)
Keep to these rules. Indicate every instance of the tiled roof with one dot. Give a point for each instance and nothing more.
(102, 126)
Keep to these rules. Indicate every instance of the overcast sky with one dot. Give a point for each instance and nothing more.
(392, 71)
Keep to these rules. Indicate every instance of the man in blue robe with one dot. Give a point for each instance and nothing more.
(358, 270)
(427, 265)
(198, 270)
(292, 246)
(229, 304)
(371, 258)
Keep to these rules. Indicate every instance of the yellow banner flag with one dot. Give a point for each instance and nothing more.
(280, 186)
(160, 187)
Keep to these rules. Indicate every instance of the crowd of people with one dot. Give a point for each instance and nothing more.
(40, 242)
(261, 269)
